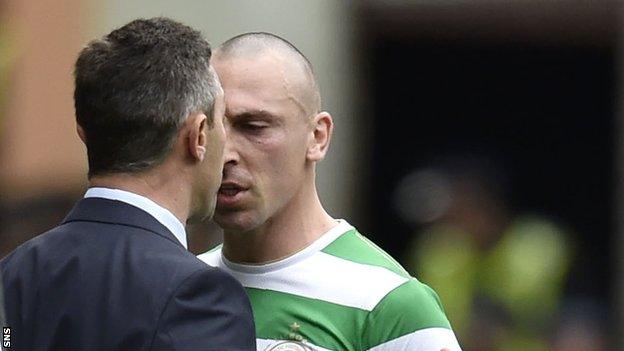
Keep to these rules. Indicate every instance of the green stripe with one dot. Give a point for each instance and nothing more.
(353, 246)
(322, 323)
(410, 307)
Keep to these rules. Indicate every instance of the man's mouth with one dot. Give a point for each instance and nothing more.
(231, 189)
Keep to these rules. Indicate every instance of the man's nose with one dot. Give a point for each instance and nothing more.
(230, 153)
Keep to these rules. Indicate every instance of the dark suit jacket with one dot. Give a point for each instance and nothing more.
(111, 277)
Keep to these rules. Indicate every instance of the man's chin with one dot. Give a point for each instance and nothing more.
(235, 221)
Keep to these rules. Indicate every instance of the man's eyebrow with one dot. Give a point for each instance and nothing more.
(251, 114)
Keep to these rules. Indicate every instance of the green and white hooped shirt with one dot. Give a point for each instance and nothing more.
(340, 293)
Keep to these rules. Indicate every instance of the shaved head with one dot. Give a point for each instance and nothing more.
(297, 70)
(276, 132)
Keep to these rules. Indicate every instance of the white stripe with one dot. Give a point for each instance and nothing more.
(328, 278)
(430, 339)
(267, 344)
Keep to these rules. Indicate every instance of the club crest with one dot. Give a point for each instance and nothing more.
(290, 346)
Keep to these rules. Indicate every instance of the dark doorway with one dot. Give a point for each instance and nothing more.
(544, 111)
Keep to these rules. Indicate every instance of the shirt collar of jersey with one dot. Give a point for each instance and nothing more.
(162, 215)
(319, 244)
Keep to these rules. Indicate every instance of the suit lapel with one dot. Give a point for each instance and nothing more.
(117, 212)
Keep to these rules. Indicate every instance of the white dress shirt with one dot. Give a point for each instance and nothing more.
(162, 215)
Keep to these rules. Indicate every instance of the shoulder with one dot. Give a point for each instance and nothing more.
(414, 304)
(208, 280)
(355, 247)
(36, 249)
(411, 314)
(209, 307)
(365, 265)
(153, 262)
(403, 308)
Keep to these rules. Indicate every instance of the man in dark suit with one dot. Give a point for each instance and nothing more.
(115, 274)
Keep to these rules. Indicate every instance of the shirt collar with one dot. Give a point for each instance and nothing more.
(341, 227)
(162, 215)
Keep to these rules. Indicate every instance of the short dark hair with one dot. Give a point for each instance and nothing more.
(135, 87)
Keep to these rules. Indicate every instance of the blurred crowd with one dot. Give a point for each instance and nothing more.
(501, 275)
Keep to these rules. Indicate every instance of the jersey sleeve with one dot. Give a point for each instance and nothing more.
(410, 317)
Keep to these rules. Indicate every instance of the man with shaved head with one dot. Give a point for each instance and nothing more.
(315, 283)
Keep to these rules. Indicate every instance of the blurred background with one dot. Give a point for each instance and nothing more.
(478, 142)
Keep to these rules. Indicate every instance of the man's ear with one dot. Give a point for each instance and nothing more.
(322, 129)
(81, 133)
(197, 125)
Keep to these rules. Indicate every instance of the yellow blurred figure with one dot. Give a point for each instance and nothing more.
(517, 282)
(501, 277)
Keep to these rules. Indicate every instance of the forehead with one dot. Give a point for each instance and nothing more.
(265, 82)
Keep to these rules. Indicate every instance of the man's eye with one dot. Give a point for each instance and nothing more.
(255, 126)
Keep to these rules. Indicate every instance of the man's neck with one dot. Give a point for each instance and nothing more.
(154, 187)
(291, 230)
